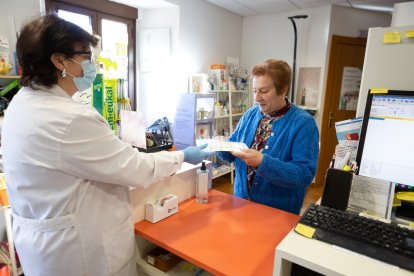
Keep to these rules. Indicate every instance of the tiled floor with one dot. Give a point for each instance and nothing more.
(223, 184)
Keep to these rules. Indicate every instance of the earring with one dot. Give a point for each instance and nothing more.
(64, 74)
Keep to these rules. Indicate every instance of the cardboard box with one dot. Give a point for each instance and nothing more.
(219, 77)
(162, 259)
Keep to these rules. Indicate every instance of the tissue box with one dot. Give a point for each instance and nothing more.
(162, 259)
(164, 207)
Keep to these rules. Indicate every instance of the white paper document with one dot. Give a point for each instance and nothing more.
(218, 145)
(371, 196)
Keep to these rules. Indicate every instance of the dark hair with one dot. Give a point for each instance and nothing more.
(40, 39)
(278, 70)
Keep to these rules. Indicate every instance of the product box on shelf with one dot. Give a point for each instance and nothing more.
(218, 77)
(162, 259)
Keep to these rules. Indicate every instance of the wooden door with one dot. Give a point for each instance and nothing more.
(345, 52)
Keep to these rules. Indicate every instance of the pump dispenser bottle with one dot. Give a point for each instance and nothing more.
(202, 184)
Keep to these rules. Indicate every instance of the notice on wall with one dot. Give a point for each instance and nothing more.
(351, 82)
(307, 93)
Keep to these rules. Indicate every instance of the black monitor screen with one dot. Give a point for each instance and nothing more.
(386, 146)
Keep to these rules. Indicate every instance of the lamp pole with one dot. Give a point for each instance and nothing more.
(292, 91)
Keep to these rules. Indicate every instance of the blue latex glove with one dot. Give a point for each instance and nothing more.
(195, 155)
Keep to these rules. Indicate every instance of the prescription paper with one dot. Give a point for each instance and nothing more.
(218, 145)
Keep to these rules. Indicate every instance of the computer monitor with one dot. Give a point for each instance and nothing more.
(386, 146)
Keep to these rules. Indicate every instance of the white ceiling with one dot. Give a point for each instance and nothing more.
(257, 7)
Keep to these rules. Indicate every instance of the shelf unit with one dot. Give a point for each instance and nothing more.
(237, 102)
(144, 268)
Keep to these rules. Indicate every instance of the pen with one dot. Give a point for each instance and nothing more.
(332, 165)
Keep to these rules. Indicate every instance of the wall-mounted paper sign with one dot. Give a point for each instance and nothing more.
(307, 93)
(351, 82)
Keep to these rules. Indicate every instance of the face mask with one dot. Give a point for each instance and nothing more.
(89, 75)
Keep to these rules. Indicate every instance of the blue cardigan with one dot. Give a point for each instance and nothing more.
(289, 159)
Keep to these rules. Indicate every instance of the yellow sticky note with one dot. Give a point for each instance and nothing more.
(409, 33)
(305, 230)
(379, 90)
(411, 225)
(407, 196)
(392, 37)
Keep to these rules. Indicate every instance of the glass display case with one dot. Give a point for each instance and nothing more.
(194, 119)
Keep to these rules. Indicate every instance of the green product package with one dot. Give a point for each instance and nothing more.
(110, 104)
(98, 94)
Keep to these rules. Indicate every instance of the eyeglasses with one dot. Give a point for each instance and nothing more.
(86, 54)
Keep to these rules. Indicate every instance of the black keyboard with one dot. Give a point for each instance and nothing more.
(386, 242)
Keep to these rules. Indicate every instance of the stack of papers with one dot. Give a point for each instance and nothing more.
(347, 133)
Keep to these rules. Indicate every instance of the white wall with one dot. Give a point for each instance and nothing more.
(205, 34)
(348, 21)
(403, 14)
(152, 84)
(272, 36)
(13, 15)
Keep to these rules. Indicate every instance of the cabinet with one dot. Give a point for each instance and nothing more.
(230, 105)
(194, 119)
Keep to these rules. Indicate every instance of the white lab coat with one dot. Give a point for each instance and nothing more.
(67, 179)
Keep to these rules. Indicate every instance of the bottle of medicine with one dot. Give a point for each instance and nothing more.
(202, 184)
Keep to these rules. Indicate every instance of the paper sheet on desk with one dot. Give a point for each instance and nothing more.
(218, 145)
(371, 196)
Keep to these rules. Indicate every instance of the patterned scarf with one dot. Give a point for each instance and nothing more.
(263, 132)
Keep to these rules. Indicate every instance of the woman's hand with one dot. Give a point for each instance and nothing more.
(251, 157)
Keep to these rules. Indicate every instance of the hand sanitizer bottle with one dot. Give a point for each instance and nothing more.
(202, 184)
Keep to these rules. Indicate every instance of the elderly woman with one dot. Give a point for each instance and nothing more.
(283, 139)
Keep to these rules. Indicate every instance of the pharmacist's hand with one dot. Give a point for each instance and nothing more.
(195, 155)
(251, 157)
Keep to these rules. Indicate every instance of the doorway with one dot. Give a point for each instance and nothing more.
(345, 52)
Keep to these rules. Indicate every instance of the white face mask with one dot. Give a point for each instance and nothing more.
(89, 75)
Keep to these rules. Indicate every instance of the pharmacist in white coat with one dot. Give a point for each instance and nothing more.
(67, 174)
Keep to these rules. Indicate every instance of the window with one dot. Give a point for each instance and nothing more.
(115, 24)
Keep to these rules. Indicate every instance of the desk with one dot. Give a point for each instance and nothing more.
(227, 236)
(327, 259)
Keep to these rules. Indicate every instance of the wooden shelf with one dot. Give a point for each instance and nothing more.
(238, 114)
(221, 117)
(6, 79)
(178, 270)
(221, 174)
(9, 77)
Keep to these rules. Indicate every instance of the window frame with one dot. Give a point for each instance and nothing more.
(103, 9)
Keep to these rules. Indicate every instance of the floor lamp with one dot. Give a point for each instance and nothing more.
(292, 91)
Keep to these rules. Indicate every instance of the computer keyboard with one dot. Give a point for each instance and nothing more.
(386, 242)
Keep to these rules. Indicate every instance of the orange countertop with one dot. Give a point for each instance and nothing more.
(227, 236)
